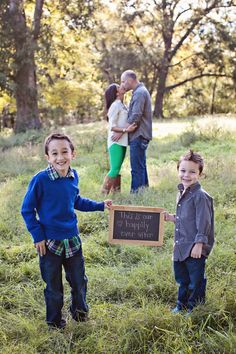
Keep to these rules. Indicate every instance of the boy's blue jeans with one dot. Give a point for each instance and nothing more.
(139, 174)
(190, 275)
(51, 271)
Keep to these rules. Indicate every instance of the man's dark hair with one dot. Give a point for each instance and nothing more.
(57, 136)
(110, 95)
(192, 156)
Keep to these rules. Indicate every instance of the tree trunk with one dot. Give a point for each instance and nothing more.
(158, 108)
(159, 100)
(25, 68)
(26, 97)
(213, 97)
(167, 35)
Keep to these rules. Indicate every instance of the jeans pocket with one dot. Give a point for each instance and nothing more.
(144, 144)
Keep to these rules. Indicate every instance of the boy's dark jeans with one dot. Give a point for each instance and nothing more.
(190, 275)
(51, 271)
(139, 174)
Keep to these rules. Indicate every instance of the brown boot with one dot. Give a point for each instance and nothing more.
(117, 184)
(107, 185)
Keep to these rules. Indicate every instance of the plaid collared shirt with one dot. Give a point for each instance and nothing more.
(53, 174)
(70, 246)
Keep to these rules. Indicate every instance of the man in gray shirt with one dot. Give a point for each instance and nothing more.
(140, 113)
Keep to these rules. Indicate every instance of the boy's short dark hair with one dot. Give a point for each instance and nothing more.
(57, 136)
(192, 156)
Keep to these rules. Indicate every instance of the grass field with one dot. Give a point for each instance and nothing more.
(131, 289)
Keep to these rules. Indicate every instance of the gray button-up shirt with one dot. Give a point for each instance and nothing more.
(140, 112)
(194, 221)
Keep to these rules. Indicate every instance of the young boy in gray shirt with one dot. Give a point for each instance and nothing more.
(194, 233)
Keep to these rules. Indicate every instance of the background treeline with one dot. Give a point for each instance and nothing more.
(57, 57)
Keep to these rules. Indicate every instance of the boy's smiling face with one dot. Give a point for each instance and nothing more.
(60, 155)
(188, 173)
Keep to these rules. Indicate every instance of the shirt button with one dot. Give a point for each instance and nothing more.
(177, 229)
(177, 217)
(179, 204)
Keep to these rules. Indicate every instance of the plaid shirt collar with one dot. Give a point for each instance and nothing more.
(53, 174)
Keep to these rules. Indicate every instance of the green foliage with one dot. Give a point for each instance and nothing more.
(171, 53)
(85, 45)
(53, 44)
(131, 289)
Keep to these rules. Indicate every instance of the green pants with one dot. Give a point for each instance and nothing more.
(116, 155)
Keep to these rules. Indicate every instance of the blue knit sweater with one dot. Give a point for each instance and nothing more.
(49, 207)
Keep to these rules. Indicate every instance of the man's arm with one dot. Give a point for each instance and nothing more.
(137, 108)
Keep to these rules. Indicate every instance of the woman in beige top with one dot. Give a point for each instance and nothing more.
(117, 115)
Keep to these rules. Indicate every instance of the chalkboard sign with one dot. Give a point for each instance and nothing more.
(136, 225)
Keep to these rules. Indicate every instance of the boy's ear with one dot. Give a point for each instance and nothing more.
(46, 157)
(73, 154)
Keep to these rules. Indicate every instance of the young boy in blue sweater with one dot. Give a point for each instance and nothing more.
(194, 233)
(48, 210)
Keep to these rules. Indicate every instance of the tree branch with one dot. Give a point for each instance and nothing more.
(187, 33)
(37, 18)
(189, 56)
(17, 18)
(171, 87)
(174, 4)
(195, 22)
(140, 43)
(181, 13)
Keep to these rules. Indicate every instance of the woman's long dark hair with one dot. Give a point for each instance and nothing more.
(110, 95)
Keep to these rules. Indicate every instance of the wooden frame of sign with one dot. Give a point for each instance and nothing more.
(137, 225)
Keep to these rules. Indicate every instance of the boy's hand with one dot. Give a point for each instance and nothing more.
(41, 247)
(107, 203)
(196, 250)
(169, 217)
